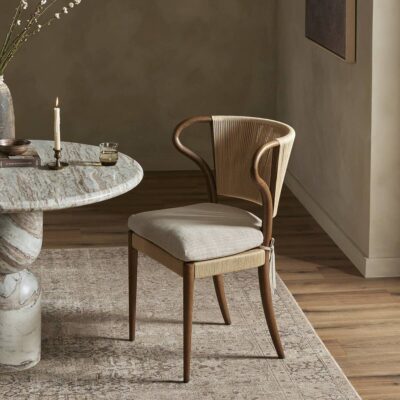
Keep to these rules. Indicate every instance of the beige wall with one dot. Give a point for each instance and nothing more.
(385, 148)
(345, 166)
(328, 102)
(129, 70)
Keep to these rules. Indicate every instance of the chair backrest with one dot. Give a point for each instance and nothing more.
(236, 140)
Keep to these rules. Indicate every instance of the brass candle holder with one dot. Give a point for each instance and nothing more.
(58, 164)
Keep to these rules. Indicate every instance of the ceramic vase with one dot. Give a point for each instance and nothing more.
(7, 119)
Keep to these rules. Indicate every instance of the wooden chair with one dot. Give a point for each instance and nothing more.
(251, 157)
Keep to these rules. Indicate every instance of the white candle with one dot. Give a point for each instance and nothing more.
(57, 127)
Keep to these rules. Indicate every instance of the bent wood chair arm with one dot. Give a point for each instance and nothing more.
(267, 193)
(212, 191)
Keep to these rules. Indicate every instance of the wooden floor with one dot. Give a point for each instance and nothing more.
(358, 319)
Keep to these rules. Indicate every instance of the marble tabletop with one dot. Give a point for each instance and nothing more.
(40, 189)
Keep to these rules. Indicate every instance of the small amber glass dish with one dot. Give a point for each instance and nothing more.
(108, 153)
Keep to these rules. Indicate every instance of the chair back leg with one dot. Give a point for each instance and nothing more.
(133, 264)
(266, 296)
(220, 290)
(188, 293)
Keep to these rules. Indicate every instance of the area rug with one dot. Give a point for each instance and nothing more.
(86, 354)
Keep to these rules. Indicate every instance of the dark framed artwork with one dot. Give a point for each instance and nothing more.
(332, 24)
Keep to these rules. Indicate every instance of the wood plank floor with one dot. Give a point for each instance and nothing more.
(358, 319)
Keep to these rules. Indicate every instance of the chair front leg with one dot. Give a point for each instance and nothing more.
(266, 296)
(188, 293)
(133, 264)
(220, 290)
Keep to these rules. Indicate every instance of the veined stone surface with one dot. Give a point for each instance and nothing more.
(20, 294)
(20, 240)
(20, 321)
(25, 193)
(32, 189)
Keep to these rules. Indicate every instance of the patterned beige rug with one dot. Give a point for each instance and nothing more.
(85, 354)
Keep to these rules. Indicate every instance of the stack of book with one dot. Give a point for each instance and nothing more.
(28, 159)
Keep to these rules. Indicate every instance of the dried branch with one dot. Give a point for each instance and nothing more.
(33, 25)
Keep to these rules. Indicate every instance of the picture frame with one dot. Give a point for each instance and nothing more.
(332, 25)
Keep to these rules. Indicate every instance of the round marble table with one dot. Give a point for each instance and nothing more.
(25, 193)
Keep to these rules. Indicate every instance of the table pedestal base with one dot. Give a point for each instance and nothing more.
(20, 292)
(20, 321)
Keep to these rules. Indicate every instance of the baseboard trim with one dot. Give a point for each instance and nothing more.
(328, 225)
(368, 267)
(382, 268)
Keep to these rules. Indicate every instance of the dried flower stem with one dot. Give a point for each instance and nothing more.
(19, 39)
(14, 40)
(11, 30)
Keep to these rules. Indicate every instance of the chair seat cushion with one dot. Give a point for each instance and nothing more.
(200, 231)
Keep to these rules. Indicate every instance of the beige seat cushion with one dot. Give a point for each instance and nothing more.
(200, 231)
